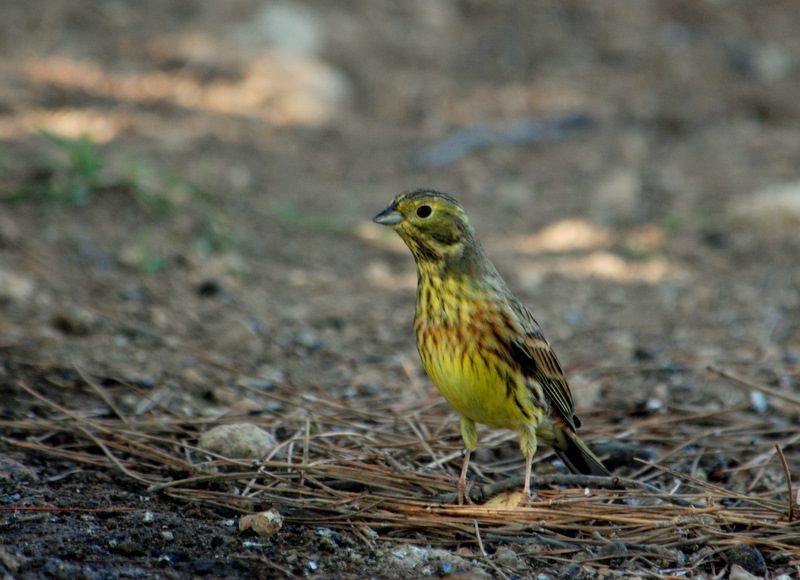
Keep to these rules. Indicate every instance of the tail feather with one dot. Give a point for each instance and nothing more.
(578, 458)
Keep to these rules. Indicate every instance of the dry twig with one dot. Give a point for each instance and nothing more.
(788, 480)
(360, 467)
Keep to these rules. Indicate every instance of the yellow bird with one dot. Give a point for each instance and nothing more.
(481, 347)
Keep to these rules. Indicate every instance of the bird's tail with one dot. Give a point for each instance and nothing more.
(577, 457)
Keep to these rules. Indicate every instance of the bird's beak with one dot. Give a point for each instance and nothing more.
(389, 217)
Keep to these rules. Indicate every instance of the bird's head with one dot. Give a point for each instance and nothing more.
(432, 224)
(436, 229)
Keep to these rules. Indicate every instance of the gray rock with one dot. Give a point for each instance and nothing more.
(238, 441)
(776, 206)
(237, 337)
(15, 287)
(290, 26)
(748, 558)
(739, 573)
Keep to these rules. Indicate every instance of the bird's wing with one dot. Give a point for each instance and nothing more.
(537, 361)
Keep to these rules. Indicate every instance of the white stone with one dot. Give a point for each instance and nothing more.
(14, 286)
(238, 441)
(265, 524)
(777, 205)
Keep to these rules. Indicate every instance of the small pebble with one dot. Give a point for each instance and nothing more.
(775, 207)
(572, 572)
(505, 556)
(265, 524)
(309, 339)
(749, 558)
(739, 573)
(75, 323)
(288, 25)
(238, 441)
(271, 374)
(791, 359)
(133, 292)
(209, 288)
(12, 471)
(236, 336)
(613, 553)
(15, 287)
(11, 559)
(654, 404)
(253, 383)
(758, 401)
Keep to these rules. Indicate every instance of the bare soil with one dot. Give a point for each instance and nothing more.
(185, 206)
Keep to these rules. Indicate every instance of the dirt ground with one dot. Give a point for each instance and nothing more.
(186, 198)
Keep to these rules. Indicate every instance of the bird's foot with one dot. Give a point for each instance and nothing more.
(463, 492)
(529, 497)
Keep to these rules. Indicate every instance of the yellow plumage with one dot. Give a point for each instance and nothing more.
(482, 349)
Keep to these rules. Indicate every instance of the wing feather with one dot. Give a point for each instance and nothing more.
(538, 362)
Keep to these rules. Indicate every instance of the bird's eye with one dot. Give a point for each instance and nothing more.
(424, 211)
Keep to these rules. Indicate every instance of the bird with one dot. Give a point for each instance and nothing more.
(481, 347)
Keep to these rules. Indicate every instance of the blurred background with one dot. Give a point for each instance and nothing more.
(186, 189)
(206, 172)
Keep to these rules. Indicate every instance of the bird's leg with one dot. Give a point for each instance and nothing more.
(526, 491)
(470, 437)
(527, 443)
(462, 481)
